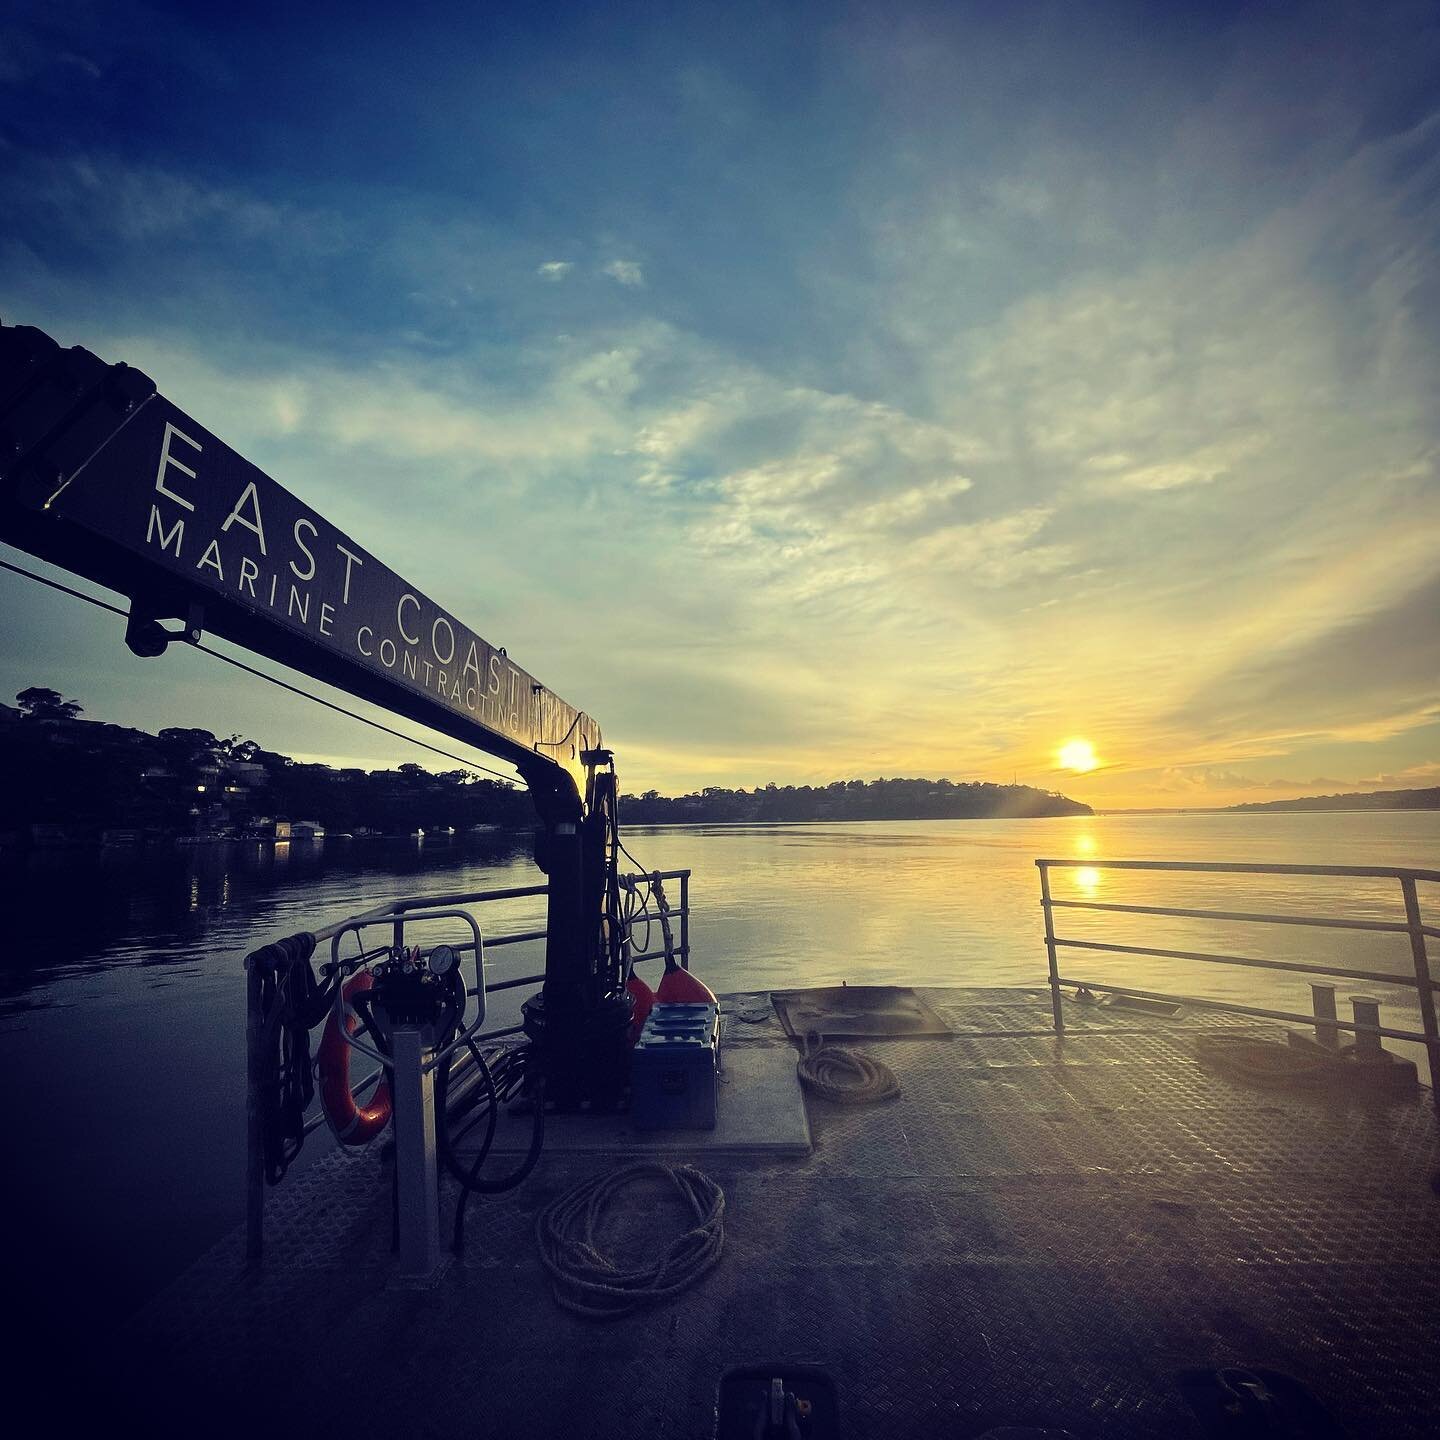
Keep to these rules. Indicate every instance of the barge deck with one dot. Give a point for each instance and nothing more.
(1039, 1231)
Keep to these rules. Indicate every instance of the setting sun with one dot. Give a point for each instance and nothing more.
(1078, 755)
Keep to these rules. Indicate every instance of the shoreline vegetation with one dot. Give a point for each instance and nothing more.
(1366, 800)
(844, 800)
(66, 780)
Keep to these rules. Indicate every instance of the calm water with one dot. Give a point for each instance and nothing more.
(122, 997)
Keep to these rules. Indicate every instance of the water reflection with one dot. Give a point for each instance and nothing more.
(86, 911)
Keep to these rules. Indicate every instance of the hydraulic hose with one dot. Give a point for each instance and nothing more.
(512, 1069)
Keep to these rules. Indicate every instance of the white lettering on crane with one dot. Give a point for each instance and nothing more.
(449, 630)
(311, 526)
(168, 460)
(211, 558)
(256, 526)
(351, 558)
(249, 574)
(400, 618)
(175, 533)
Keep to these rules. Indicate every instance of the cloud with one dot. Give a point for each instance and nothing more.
(1389, 660)
(1203, 780)
(999, 423)
(98, 197)
(82, 63)
(627, 272)
(1423, 776)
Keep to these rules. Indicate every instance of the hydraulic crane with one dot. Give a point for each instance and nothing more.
(102, 475)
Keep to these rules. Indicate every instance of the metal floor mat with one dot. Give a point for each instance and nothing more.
(1038, 1232)
(857, 1011)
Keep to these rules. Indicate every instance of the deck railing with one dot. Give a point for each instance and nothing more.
(1412, 925)
(394, 915)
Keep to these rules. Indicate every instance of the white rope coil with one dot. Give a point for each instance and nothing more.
(588, 1282)
(847, 1077)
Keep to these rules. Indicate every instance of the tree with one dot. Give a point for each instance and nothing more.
(38, 703)
(181, 743)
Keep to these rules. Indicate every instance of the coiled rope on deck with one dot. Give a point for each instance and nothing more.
(588, 1282)
(847, 1077)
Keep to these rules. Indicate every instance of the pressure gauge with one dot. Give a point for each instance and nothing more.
(443, 960)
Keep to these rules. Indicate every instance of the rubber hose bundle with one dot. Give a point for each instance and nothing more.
(502, 1083)
(586, 1281)
(292, 1002)
(845, 1076)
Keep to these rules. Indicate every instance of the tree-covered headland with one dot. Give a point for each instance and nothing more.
(63, 774)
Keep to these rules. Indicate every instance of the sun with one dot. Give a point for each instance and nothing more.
(1077, 755)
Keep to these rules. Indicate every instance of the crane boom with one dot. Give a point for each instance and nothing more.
(102, 475)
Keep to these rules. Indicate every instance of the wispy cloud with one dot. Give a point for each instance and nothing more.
(968, 416)
(627, 272)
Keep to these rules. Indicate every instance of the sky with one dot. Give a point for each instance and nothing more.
(805, 391)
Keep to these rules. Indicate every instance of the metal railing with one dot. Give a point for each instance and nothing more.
(399, 911)
(1412, 925)
(396, 914)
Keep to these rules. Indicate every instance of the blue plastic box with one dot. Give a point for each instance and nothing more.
(675, 1069)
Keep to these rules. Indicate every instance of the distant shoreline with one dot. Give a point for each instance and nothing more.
(1388, 800)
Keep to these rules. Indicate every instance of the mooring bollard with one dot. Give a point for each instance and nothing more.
(1367, 1012)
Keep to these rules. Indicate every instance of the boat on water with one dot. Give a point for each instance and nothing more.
(1075, 1208)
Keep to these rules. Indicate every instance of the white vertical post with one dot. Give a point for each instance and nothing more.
(1422, 980)
(417, 1187)
(1322, 998)
(1057, 1010)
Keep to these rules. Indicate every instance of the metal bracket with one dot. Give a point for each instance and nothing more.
(147, 637)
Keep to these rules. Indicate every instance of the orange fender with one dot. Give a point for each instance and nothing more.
(352, 1124)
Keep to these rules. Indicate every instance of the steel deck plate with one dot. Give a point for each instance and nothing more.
(1037, 1232)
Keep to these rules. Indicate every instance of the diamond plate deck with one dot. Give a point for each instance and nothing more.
(1037, 1232)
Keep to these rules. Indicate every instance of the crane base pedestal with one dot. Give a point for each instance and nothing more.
(584, 1053)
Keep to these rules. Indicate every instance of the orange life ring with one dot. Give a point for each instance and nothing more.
(352, 1124)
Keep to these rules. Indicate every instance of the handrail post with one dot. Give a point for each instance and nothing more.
(684, 919)
(1322, 1000)
(1422, 980)
(1055, 1005)
(254, 1134)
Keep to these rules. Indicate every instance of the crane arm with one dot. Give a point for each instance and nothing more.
(103, 476)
